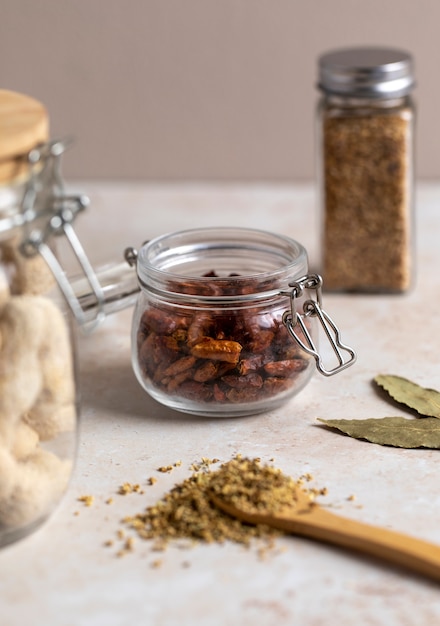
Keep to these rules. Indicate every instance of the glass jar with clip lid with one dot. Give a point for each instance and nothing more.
(226, 323)
(38, 399)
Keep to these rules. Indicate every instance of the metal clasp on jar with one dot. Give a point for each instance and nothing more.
(47, 211)
(293, 319)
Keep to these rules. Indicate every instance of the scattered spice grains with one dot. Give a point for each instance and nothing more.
(187, 512)
(165, 469)
(88, 500)
(186, 515)
(129, 488)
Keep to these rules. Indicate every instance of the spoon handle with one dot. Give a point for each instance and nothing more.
(394, 547)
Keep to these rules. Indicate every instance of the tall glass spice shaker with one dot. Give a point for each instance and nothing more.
(366, 169)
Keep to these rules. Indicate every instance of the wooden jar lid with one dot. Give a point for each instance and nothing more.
(24, 123)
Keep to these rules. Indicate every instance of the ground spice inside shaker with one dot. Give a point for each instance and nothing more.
(366, 119)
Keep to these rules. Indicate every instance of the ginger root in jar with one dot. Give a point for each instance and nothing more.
(25, 441)
(36, 369)
(30, 487)
(22, 329)
(54, 409)
(37, 402)
(30, 275)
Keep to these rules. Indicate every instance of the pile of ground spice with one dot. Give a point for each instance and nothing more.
(187, 511)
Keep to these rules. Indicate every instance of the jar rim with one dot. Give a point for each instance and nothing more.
(165, 263)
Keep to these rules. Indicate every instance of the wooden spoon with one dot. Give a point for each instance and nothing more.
(305, 517)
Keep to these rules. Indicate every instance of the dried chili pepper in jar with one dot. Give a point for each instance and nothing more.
(217, 328)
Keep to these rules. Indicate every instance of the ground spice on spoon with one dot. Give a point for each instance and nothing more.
(187, 511)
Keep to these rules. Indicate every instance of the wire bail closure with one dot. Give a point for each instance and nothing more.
(48, 211)
(313, 308)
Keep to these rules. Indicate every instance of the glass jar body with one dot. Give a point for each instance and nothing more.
(208, 336)
(38, 398)
(366, 179)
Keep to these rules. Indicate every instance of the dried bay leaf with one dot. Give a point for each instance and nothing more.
(399, 432)
(421, 399)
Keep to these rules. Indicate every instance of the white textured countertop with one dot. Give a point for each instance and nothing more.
(63, 575)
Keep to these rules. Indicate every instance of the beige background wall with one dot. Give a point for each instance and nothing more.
(202, 89)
